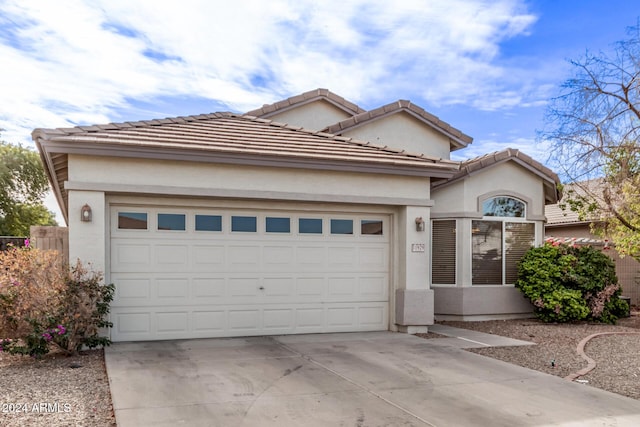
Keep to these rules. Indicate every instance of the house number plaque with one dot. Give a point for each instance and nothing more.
(417, 247)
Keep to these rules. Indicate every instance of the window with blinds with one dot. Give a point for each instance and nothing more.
(443, 252)
(497, 247)
(486, 247)
(519, 237)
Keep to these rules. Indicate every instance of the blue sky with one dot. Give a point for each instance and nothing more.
(488, 67)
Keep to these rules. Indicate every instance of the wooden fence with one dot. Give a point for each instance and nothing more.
(51, 238)
(8, 241)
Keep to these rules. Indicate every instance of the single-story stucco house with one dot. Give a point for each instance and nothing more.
(304, 216)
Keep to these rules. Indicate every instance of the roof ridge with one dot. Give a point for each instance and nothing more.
(270, 109)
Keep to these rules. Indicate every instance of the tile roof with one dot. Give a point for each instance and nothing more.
(268, 110)
(238, 134)
(576, 240)
(227, 138)
(458, 138)
(556, 216)
(472, 166)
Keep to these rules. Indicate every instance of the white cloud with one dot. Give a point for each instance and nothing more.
(78, 62)
(81, 62)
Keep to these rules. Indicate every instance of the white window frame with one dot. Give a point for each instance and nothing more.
(503, 220)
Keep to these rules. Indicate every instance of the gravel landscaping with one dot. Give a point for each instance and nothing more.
(617, 356)
(67, 391)
(55, 391)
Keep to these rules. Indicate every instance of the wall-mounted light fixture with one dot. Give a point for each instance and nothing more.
(419, 224)
(85, 213)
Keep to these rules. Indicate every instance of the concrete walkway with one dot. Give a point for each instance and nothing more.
(354, 379)
(464, 338)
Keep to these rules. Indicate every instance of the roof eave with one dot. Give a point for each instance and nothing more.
(435, 170)
(550, 182)
(38, 136)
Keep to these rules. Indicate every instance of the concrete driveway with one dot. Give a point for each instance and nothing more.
(355, 379)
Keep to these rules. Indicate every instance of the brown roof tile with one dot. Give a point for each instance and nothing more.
(268, 110)
(228, 137)
(472, 166)
(228, 132)
(557, 216)
(458, 138)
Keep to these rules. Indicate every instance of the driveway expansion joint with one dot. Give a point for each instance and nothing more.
(310, 359)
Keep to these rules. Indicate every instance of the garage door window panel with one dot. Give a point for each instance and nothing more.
(171, 222)
(208, 223)
(277, 225)
(342, 226)
(132, 221)
(372, 227)
(310, 225)
(244, 224)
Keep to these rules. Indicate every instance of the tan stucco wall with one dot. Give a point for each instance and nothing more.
(570, 231)
(141, 172)
(402, 131)
(87, 240)
(506, 178)
(314, 115)
(451, 198)
(480, 303)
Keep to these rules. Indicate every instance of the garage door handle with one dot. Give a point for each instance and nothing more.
(261, 288)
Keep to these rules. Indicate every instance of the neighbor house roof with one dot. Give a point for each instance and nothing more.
(269, 110)
(557, 216)
(227, 138)
(456, 137)
(472, 166)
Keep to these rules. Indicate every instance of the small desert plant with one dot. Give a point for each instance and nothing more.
(43, 302)
(31, 286)
(84, 310)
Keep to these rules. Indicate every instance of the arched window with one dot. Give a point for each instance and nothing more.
(503, 206)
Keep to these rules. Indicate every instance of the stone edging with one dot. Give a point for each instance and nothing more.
(591, 364)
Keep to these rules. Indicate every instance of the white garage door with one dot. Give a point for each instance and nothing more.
(190, 273)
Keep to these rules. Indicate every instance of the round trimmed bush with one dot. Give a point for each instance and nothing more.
(569, 283)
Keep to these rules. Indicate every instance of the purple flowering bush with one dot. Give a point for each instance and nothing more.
(84, 310)
(43, 303)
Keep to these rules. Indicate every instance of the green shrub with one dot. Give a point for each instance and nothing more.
(568, 283)
(44, 303)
